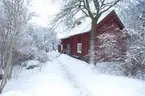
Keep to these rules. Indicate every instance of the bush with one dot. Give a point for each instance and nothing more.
(41, 56)
(19, 57)
(30, 64)
(132, 69)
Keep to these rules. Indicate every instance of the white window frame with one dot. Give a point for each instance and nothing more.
(79, 47)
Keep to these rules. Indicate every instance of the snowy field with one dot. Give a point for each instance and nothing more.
(66, 76)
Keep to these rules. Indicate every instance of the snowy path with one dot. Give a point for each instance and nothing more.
(81, 90)
(66, 76)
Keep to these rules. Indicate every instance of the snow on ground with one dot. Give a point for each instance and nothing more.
(99, 84)
(66, 76)
(49, 82)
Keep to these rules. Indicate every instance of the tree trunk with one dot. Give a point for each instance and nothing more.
(92, 42)
(8, 71)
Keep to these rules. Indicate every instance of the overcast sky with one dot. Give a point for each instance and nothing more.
(44, 10)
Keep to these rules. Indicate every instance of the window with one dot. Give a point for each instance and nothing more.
(61, 47)
(79, 47)
(68, 49)
(68, 46)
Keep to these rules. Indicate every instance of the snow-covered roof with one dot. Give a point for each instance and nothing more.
(84, 27)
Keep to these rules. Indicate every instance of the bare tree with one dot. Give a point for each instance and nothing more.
(89, 8)
(16, 16)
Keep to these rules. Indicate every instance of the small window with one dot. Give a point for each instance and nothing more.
(79, 47)
(68, 49)
(61, 47)
(68, 46)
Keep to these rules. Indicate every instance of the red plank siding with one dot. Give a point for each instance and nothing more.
(111, 24)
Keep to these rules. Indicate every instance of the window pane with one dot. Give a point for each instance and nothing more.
(79, 47)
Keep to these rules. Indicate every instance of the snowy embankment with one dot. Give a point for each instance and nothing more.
(66, 76)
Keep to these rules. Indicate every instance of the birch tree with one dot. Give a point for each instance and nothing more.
(93, 9)
(16, 16)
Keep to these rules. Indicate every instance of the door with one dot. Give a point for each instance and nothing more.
(68, 49)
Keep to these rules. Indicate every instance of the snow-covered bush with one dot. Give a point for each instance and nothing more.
(23, 54)
(134, 20)
(28, 50)
(41, 56)
(30, 53)
(121, 69)
(30, 64)
(135, 57)
(33, 43)
(43, 38)
(111, 68)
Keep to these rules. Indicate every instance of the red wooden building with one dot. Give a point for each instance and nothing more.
(109, 40)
